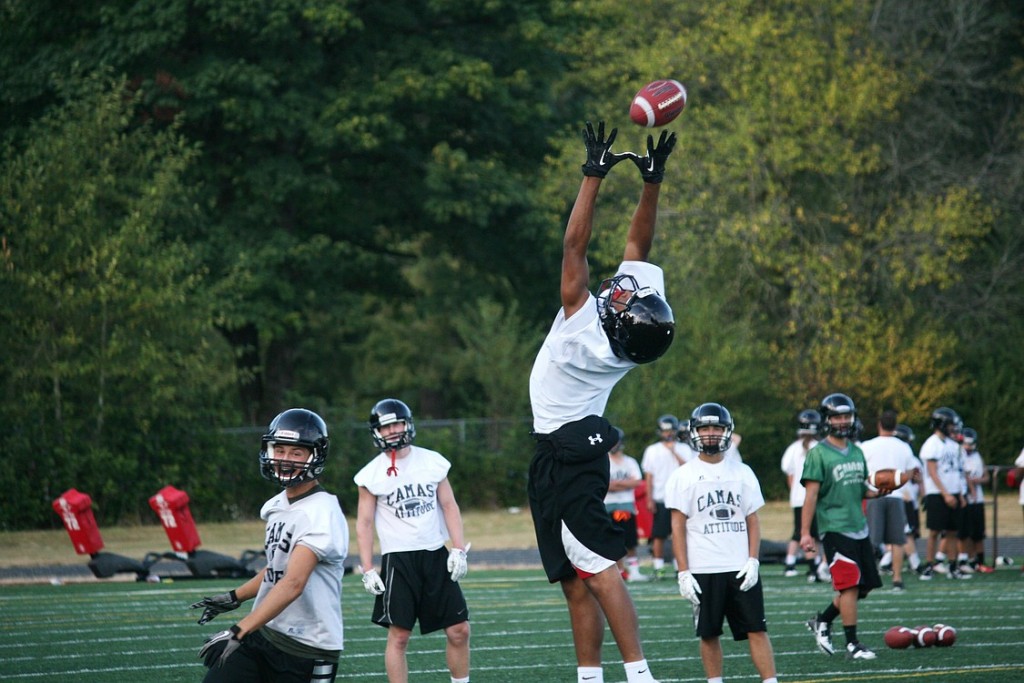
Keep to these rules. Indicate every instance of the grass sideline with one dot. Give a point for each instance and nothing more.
(138, 632)
(487, 529)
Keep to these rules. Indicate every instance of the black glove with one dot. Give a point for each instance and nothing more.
(600, 158)
(652, 166)
(219, 647)
(216, 604)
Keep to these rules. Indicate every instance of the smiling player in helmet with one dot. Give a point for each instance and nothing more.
(593, 342)
(295, 626)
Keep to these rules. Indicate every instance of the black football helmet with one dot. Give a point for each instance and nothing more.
(638, 321)
(295, 427)
(970, 436)
(947, 421)
(808, 422)
(683, 433)
(715, 415)
(388, 411)
(838, 404)
(620, 442)
(668, 423)
(904, 433)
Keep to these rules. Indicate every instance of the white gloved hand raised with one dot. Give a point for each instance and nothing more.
(457, 563)
(372, 582)
(749, 574)
(688, 587)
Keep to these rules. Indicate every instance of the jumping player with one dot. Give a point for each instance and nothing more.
(592, 344)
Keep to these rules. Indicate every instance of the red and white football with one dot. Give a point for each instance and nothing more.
(945, 635)
(899, 637)
(658, 103)
(887, 480)
(925, 636)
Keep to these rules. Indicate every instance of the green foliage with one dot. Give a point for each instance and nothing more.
(105, 329)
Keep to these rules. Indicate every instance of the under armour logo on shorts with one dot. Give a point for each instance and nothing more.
(595, 439)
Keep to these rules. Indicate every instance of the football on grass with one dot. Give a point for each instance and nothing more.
(888, 480)
(945, 635)
(658, 103)
(925, 636)
(899, 637)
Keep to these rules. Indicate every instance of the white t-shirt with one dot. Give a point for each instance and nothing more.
(974, 467)
(716, 499)
(576, 369)
(660, 460)
(625, 469)
(1019, 462)
(408, 516)
(316, 522)
(793, 466)
(889, 453)
(946, 454)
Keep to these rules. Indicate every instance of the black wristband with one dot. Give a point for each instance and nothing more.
(235, 631)
(234, 596)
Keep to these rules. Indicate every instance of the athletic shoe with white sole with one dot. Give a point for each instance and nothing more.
(822, 634)
(858, 651)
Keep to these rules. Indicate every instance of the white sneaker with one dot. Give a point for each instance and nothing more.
(858, 651)
(965, 568)
(822, 634)
(940, 568)
(637, 578)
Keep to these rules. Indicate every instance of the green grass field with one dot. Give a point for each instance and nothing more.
(137, 632)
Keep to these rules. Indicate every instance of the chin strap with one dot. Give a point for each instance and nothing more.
(393, 470)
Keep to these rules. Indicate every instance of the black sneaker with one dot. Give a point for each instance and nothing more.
(858, 651)
(822, 634)
(925, 572)
(897, 587)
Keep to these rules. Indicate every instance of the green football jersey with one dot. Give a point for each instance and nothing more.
(842, 477)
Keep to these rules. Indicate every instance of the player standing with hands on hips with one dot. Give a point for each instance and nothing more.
(405, 494)
(717, 540)
(592, 344)
(294, 632)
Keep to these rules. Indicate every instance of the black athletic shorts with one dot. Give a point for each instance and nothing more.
(661, 522)
(974, 522)
(798, 521)
(567, 483)
(721, 599)
(625, 520)
(258, 661)
(418, 585)
(941, 517)
(861, 552)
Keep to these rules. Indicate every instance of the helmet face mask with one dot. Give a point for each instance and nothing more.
(838, 416)
(947, 421)
(391, 411)
(638, 322)
(711, 415)
(294, 428)
(808, 423)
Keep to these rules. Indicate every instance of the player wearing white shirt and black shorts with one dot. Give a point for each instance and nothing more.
(294, 632)
(404, 495)
(714, 501)
(592, 344)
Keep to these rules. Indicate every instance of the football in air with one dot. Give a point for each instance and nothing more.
(899, 637)
(658, 103)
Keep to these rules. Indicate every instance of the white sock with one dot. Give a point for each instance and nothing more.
(659, 563)
(638, 672)
(962, 557)
(886, 559)
(773, 679)
(915, 561)
(589, 674)
(716, 679)
(790, 560)
(460, 680)
(940, 556)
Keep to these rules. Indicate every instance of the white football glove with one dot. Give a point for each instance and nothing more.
(689, 588)
(457, 564)
(372, 582)
(748, 574)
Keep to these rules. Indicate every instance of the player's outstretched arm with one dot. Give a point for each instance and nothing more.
(652, 170)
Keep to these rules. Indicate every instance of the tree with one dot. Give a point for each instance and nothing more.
(110, 358)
